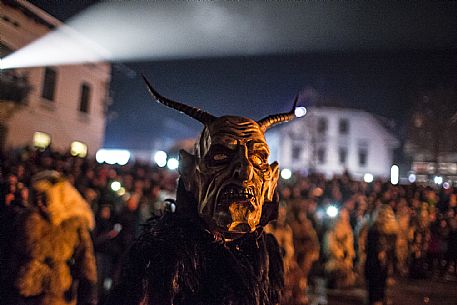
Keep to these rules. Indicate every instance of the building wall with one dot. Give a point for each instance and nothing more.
(364, 131)
(60, 118)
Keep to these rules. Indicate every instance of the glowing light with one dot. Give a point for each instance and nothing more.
(78, 149)
(332, 211)
(115, 186)
(41, 140)
(160, 158)
(394, 174)
(1, 64)
(113, 156)
(300, 112)
(368, 178)
(446, 185)
(121, 191)
(438, 179)
(286, 174)
(412, 178)
(172, 163)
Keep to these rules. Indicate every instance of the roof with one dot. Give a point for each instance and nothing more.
(33, 12)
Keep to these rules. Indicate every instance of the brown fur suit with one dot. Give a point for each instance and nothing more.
(339, 249)
(52, 259)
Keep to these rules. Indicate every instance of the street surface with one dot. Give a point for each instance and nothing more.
(403, 292)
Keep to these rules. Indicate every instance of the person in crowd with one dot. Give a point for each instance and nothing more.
(403, 217)
(380, 253)
(420, 236)
(52, 260)
(339, 251)
(306, 244)
(107, 248)
(292, 273)
(451, 255)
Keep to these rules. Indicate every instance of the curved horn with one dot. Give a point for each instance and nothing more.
(274, 119)
(193, 112)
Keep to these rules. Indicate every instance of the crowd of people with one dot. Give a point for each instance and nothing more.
(380, 230)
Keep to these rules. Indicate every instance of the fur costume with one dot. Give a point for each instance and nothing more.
(178, 261)
(381, 243)
(292, 273)
(52, 260)
(213, 250)
(339, 251)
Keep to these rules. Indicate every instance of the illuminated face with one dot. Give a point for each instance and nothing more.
(231, 179)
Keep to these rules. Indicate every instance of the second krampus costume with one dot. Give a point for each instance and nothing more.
(212, 249)
(51, 259)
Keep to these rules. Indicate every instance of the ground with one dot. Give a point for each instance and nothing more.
(437, 291)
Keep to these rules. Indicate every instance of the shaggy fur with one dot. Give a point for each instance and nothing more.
(177, 261)
(51, 259)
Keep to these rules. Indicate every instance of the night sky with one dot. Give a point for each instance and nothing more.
(369, 56)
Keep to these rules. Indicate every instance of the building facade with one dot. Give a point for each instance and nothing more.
(330, 140)
(65, 105)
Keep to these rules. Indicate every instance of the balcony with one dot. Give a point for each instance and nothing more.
(13, 87)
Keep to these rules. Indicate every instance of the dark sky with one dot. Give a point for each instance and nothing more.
(373, 57)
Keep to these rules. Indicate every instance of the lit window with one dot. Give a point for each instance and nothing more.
(84, 98)
(78, 149)
(49, 84)
(322, 126)
(342, 155)
(343, 126)
(321, 155)
(41, 140)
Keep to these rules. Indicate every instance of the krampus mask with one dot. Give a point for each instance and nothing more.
(229, 174)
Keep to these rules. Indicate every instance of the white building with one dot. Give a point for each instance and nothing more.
(66, 104)
(331, 140)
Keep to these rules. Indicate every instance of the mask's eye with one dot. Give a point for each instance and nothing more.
(256, 160)
(220, 157)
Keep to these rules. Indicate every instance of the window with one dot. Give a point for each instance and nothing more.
(49, 84)
(41, 140)
(363, 156)
(343, 126)
(322, 126)
(4, 50)
(342, 155)
(321, 155)
(296, 152)
(78, 149)
(363, 153)
(84, 98)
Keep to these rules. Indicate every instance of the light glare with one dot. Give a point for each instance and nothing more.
(332, 211)
(300, 112)
(438, 179)
(368, 178)
(160, 158)
(286, 174)
(172, 163)
(78, 149)
(112, 156)
(412, 178)
(394, 174)
(115, 186)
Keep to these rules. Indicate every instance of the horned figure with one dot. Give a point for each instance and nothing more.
(213, 250)
(229, 173)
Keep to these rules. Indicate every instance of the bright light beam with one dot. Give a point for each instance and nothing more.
(158, 30)
(63, 46)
